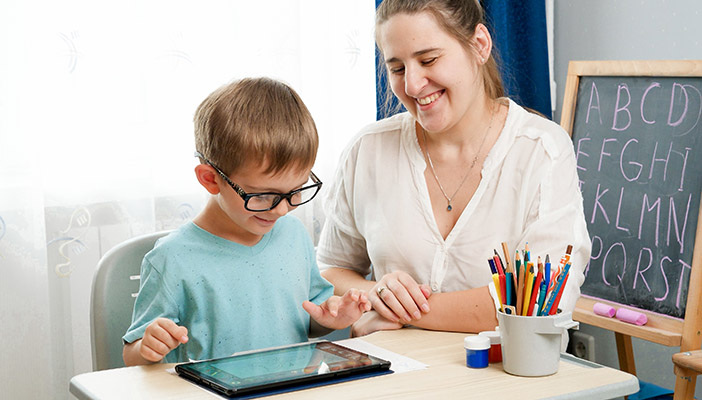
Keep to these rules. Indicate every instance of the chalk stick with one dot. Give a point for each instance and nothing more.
(631, 316)
(604, 310)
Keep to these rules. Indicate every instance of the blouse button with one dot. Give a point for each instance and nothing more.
(435, 287)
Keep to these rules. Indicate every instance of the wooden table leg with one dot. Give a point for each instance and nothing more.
(625, 351)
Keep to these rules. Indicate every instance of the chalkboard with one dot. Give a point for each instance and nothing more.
(637, 130)
(638, 143)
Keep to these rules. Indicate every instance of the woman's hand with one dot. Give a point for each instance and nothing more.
(398, 298)
(371, 322)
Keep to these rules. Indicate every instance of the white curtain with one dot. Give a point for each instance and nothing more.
(96, 106)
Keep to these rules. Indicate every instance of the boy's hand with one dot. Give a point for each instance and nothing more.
(373, 322)
(339, 312)
(160, 337)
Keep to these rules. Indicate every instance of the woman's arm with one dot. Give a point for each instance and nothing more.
(344, 279)
(463, 311)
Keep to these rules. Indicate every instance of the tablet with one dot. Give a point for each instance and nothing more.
(268, 369)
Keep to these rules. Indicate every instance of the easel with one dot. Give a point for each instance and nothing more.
(667, 331)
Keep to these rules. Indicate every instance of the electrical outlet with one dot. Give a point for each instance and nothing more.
(582, 345)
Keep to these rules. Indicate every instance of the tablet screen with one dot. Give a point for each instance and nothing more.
(267, 369)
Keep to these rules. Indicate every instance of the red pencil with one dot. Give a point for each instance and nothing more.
(503, 286)
(554, 308)
(498, 264)
(534, 292)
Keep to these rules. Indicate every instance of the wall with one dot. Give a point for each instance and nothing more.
(626, 30)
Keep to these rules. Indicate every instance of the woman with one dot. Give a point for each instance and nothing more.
(426, 196)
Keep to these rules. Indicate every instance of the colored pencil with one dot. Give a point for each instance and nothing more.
(520, 289)
(553, 294)
(509, 289)
(537, 287)
(493, 268)
(554, 308)
(542, 296)
(528, 286)
(496, 281)
(498, 264)
(508, 262)
(547, 271)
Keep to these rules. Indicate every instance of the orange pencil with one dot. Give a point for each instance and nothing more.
(528, 287)
(554, 308)
(508, 262)
(520, 289)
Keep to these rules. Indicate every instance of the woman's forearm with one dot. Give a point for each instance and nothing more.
(463, 311)
(345, 279)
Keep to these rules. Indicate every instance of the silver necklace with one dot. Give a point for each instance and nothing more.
(465, 177)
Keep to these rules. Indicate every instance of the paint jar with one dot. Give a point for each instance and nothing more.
(531, 346)
(495, 351)
(477, 348)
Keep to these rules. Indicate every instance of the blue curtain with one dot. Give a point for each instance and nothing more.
(518, 30)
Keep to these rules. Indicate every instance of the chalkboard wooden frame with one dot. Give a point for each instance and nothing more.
(664, 330)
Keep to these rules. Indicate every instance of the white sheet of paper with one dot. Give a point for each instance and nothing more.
(399, 362)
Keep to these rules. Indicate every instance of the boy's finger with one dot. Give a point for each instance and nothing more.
(333, 304)
(179, 333)
(160, 340)
(150, 354)
(312, 309)
(354, 294)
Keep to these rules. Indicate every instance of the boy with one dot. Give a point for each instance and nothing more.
(233, 279)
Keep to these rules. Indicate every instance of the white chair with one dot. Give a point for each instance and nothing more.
(115, 285)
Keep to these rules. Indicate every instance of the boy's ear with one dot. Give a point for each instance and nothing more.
(207, 177)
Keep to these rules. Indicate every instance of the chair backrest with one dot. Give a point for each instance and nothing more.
(115, 286)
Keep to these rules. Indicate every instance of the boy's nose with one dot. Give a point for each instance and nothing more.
(282, 208)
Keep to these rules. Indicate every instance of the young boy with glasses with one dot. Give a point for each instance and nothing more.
(241, 275)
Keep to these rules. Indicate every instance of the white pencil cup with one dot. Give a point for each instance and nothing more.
(531, 346)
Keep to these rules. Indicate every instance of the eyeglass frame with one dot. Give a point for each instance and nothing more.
(280, 196)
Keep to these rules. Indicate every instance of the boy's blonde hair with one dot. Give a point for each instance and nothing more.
(256, 120)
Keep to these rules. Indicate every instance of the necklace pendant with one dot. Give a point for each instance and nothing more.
(449, 208)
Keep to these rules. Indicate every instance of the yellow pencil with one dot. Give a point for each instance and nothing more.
(496, 280)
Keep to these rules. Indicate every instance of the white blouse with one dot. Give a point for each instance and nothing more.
(378, 210)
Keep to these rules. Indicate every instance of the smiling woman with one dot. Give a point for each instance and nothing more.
(96, 141)
(427, 195)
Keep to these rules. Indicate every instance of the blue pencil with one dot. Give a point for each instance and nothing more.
(542, 296)
(493, 268)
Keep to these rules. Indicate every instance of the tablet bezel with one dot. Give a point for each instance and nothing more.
(187, 371)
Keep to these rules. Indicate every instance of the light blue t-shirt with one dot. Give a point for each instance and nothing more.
(231, 297)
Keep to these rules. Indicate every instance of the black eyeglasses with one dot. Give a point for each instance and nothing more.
(258, 202)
